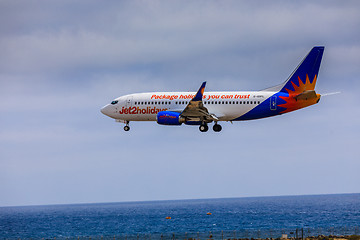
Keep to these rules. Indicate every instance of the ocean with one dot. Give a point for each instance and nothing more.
(236, 217)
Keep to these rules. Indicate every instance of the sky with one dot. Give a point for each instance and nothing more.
(61, 61)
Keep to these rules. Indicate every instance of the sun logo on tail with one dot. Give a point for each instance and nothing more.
(291, 101)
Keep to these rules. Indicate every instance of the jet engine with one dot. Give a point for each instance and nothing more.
(169, 118)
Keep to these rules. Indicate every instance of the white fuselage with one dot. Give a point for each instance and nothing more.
(226, 106)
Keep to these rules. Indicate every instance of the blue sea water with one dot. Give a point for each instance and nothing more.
(133, 218)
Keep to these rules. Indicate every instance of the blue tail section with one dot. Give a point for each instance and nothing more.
(307, 69)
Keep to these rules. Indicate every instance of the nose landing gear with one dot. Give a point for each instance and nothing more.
(127, 127)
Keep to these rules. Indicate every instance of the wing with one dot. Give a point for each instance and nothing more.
(195, 110)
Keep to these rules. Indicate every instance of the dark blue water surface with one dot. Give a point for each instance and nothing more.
(117, 219)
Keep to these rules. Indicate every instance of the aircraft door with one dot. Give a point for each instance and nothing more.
(273, 103)
(129, 101)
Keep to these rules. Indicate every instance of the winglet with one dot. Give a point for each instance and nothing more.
(200, 92)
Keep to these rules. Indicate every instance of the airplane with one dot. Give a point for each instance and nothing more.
(201, 108)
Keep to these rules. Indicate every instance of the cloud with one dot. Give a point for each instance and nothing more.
(137, 34)
(62, 61)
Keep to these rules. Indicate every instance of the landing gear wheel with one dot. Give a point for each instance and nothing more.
(126, 128)
(217, 128)
(203, 128)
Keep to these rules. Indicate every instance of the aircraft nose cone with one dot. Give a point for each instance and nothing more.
(106, 110)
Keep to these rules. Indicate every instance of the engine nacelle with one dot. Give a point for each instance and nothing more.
(169, 118)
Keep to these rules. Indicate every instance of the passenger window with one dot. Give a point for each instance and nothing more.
(251, 102)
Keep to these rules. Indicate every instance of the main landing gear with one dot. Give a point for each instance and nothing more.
(217, 127)
(127, 127)
(204, 127)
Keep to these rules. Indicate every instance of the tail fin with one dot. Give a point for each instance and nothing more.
(303, 78)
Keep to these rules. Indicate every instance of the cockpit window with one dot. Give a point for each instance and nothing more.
(114, 102)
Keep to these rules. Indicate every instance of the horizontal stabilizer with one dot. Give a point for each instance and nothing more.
(308, 94)
(328, 94)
